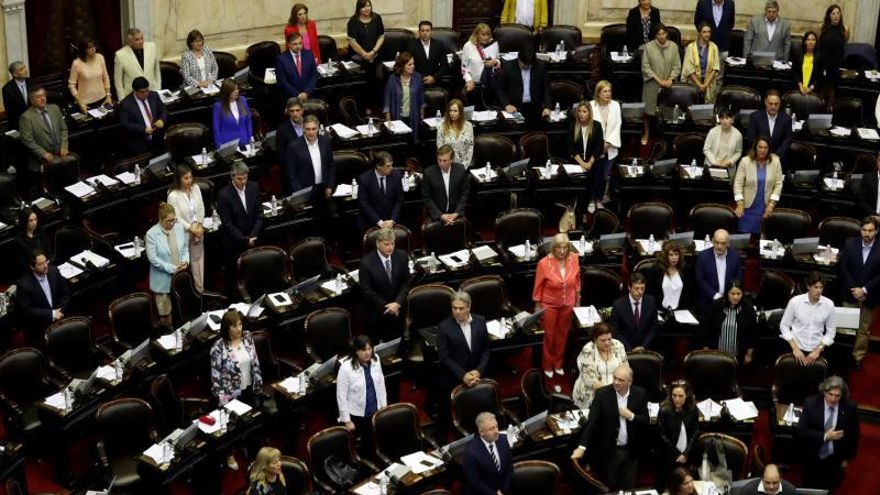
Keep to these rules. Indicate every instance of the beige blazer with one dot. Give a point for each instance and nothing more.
(178, 200)
(126, 68)
(745, 185)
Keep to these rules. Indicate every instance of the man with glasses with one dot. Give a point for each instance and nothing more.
(42, 298)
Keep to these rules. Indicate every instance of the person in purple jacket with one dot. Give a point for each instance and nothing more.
(232, 117)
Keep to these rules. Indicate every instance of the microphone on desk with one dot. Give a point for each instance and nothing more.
(393, 481)
(445, 455)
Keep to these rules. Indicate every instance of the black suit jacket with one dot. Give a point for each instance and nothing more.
(670, 423)
(284, 137)
(654, 287)
(455, 356)
(13, 102)
(599, 437)
(237, 224)
(855, 273)
(433, 65)
(509, 85)
(811, 427)
(132, 121)
(630, 333)
(35, 309)
(707, 275)
(298, 164)
(480, 474)
(817, 77)
(746, 325)
(867, 195)
(780, 140)
(634, 36)
(720, 32)
(595, 143)
(751, 488)
(434, 192)
(375, 286)
(376, 205)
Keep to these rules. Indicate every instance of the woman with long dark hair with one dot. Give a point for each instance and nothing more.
(807, 68)
(299, 22)
(360, 388)
(731, 323)
(832, 42)
(232, 116)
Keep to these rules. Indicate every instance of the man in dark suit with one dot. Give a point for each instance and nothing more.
(238, 204)
(295, 69)
(615, 431)
(463, 346)
(828, 431)
(859, 266)
(634, 316)
(380, 193)
(772, 123)
(384, 279)
(711, 283)
(488, 463)
(523, 86)
(43, 131)
(142, 116)
(867, 197)
(42, 297)
(705, 12)
(429, 56)
(770, 483)
(15, 93)
(445, 187)
(309, 161)
(289, 131)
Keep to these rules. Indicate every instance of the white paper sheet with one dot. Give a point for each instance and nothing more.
(456, 259)
(587, 316)
(291, 384)
(584, 248)
(416, 461)
(56, 400)
(127, 250)
(432, 122)
(479, 173)
(344, 131)
(685, 317)
(653, 409)
(98, 113)
(767, 250)
(159, 454)
(573, 169)
(484, 252)
(80, 189)
(94, 258)
(619, 58)
(343, 191)
(349, 65)
(103, 179)
(840, 131)
(209, 429)
(237, 407)
(126, 178)
(398, 127)
(741, 410)
(69, 271)
(520, 250)
(169, 342)
(709, 409)
(364, 129)
(734, 61)
(780, 65)
(648, 247)
(485, 116)
(542, 171)
(495, 329)
(370, 488)
(866, 133)
(108, 373)
(355, 275)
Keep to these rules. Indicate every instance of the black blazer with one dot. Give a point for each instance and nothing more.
(132, 121)
(237, 224)
(375, 205)
(751, 488)
(509, 85)
(13, 102)
(746, 326)
(298, 164)
(455, 356)
(480, 474)
(435, 64)
(595, 143)
(811, 427)
(630, 333)
(720, 32)
(284, 137)
(817, 77)
(654, 287)
(867, 194)
(634, 38)
(35, 309)
(599, 437)
(780, 141)
(854, 273)
(434, 192)
(670, 422)
(707, 275)
(375, 286)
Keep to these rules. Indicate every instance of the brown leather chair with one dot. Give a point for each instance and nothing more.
(439, 238)
(587, 482)
(774, 290)
(496, 149)
(402, 237)
(70, 241)
(847, 112)
(794, 382)
(533, 476)
(10, 203)
(612, 39)
(468, 402)
(736, 98)
(327, 333)
(736, 42)
(351, 115)
(647, 367)
(801, 156)
(787, 224)
(133, 319)
(190, 304)
(426, 306)
(335, 441)
(864, 163)
(705, 218)
(328, 48)
(272, 367)
(71, 347)
(227, 64)
(124, 428)
(645, 219)
(61, 173)
(515, 226)
(803, 105)
(646, 266)
(513, 37)
(262, 270)
(259, 57)
(489, 297)
(682, 94)
(308, 258)
(604, 222)
(187, 139)
(436, 99)
(552, 35)
(397, 432)
(566, 93)
(688, 146)
(297, 479)
(599, 286)
(172, 78)
(24, 385)
(835, 231)
(396, 41)
(350, 164)
(735, 451)
(318, 108)
(712, 375)
(535, 395)
(173, 410)
(536, 147)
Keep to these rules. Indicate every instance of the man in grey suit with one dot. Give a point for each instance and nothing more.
(43, 131)
(768, 33)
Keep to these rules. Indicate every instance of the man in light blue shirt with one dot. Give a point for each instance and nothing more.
(522, 86)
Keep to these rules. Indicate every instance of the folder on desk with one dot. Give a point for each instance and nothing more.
(819, 121)
(516, 168)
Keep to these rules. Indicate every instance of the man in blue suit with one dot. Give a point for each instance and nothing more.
(771, 122)
(860, 282)
(716, 267)
(706, 12)
(380, 193)
(488, 464)
(309, 161)
(296, 70)
(142, 116)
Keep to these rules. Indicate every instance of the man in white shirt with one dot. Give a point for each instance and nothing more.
(808, 323)
(770, 483)
(445, 187)
(429, 55)
(309, 161)
(768, 32)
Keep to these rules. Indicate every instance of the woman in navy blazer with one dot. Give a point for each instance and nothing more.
(405, 86)
(232, 117)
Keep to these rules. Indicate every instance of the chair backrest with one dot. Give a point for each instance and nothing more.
(23, 375)
(8, 194)
(227, 64)
(132, 319)
(269, 368)
(328, 332)
(206, 187)
(263, 270)
(688, 146)
(296, 474)
(515, 226)
(836, 230)
(468, 402)
(396, 431)
(647, 367)
(172, 78)
(682, 94)
(704, 219)
(612, 38)
(488, 296)
(450, 38)
(801, 156)
(308, 258)
(334, 441)
(587, 481)
(599, 286)
(327, 47)
(402, 237)
(348, 110)
(70, 345)
(259, 57)
(712, 374)
(396, 41)
(847, 112)
(428, 305)
(496, 149)
(70, 241)
(774, 290)
(736, 98)
(534, 394)
(436, 100)
(735, 451)
(350, 164)
(736, 42)
(552, 35)
(513, 37)
(645, 219)
(803, 105)
(604, 222)
(61, 173)
(124, 427)
(787, 224)
(187, 139)
(533, 476)
(794, 382)
(440, 238)
(536, 147)
(566, 93)
(166, 404)
(188, 301)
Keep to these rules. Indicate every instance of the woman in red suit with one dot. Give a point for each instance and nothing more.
(299, 22)
(557, 290)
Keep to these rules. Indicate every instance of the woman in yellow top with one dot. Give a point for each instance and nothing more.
(701, 64)
(532, 13)
(807, 70)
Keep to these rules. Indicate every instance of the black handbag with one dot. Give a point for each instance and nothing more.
(341, 473)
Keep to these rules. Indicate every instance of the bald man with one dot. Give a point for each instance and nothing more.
(716, 268)
(770, 483)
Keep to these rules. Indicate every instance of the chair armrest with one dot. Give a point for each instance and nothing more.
(57, 376)
(325, 488)
(561, 402)
(288, 367)
(368, 464)
(245, 296)
(111, 348)
(461, 430)
(430, 441)
(9, 405)
(385, 459)
(510, 415)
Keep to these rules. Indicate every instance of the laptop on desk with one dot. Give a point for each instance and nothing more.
(515, 169)
(819, 122)
(804, 178)
(703, 113)
(663, 168)
(159, 165)
(632, 112)
(763, 60)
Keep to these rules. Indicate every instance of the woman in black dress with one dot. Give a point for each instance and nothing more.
(679, 425)
(831, 45)
(30, 237)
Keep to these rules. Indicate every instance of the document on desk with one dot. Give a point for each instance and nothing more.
(159, 454)
(167, 96)
(545, 173)
(169, 342)
(349, 65)
(649, 247)
(867, 133)
(291, 385)
(421, 462)
(838, 131)
(280, 299)
(481, 175)
(369, 488)
(56, 401)
(780, 65)
(89, 256)
(343, 190)
(650, 491)
(80, 189)
(334, 286)
(583, 248)
(485, 116)
(367, 131)
(709, 409)
(237, 407)
(343, 131)
(734, 61)
(241, 307)
(269, 76)
(587, 316)
(619, 58)
(389, 64)
(208, 223)
(214, 319)
(456, 259)
(685, 317)
(210, 90)
(201, 159)
(432, 122)
(103, 180)
(126, 178)
(355, 275)
(495, 329)
(512, 115)
(98, 113)
(573, 169)
(846, 317)
(209, 429)
(107, 373)
(741, 410)
(69, 271)
(508, 56)
(484, 253)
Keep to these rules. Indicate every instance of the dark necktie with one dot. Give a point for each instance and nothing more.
(827, 447)
(372, 403)
(382, 184)
(388, 268)
(48, 121)
(299, 70)
(494, 457)
(637, 313)
(147, 110)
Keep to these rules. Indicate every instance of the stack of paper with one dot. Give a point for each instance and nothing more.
(170, 343)
(343, 190)
(508, 56)
(701, 245)
(241, 307)
(719, 173)
(56, 401)
(343, 131)
(619, 58)
(780, 65)
(80, 189)
(520, 251)
(557, 116)
(349, 65)
(201, 159)
(167, 96)
(484, 252)
(103, 179)
(648, 246)
(371, 488)
(741, 410)
(827, 255)
(512, 115)
(797, 125)
(833, 184)
(397, 127)
(159, 454)
(558, 57)
(211, 89)
(327, 69)
(126, 178)
(457, 259)
(867, 133)
(421, 462)
(496, 330)
(237, 407)
(573, 169)
(209, 429)
(583, 248)
(482, 175)
(734, 61)
(769, 250)
(335, 286)
(709, 409)
(69, 271)
(269, 76)
(685, 317)
(93, 258)
(485, 116)
(291, 385)
(432, 122)
(840, 131)
(367, 131)
(108, 373)
(587, 316)
(632, 170)
(98, 113)
(546, 174)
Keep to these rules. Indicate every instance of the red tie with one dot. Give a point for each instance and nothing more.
(147, 109)
(299, 70)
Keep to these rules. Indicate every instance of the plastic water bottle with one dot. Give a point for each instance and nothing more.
(215, 220)
(488, 171)
(528, 250)
(167, 452)
(405, 181)
(303, 382)
(438, 116)
(354, 189)
(321, 130)
(625, 51)
(583, 244)
(252, 145)
(632, 170)
(137, 173)
(707, 240)
(137, 246)
(789, 413)
(340, 282)
(330, 63)
(370, 129)
(3, 303)
(274, 203)
(651, 242)
(68, 399)
(117, 368)
(548, 169)
(178, 339)
(676, 114)
(432, 263)
(556, 111)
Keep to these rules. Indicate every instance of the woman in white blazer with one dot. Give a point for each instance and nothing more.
(723, 145)
(607, 112)
(360, 388)
(758, 186)
(186, 198)
(476, 56)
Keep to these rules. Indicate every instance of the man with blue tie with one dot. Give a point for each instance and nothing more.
(384, 278)
(295, 69)
(716, 268)
(380, 193)
(859, 266)
(15, 93)
(488, 464)
(42, 298)
(828, 431)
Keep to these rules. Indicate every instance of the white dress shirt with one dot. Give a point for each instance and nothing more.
(351, 388)
(44, 284)
(622, 436)
(446, 176)
(242, 196)
(721, 268)
(466, 330)
(315, 153)
(527, 84)
(771, 122)
(807, 323)
(771, 28)
(427, 48)
(672, 287)
(244, 365)
(866, 250)
(143, 106)
(525, 12)
(717, 13)
(22, 87)
(233, 109)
